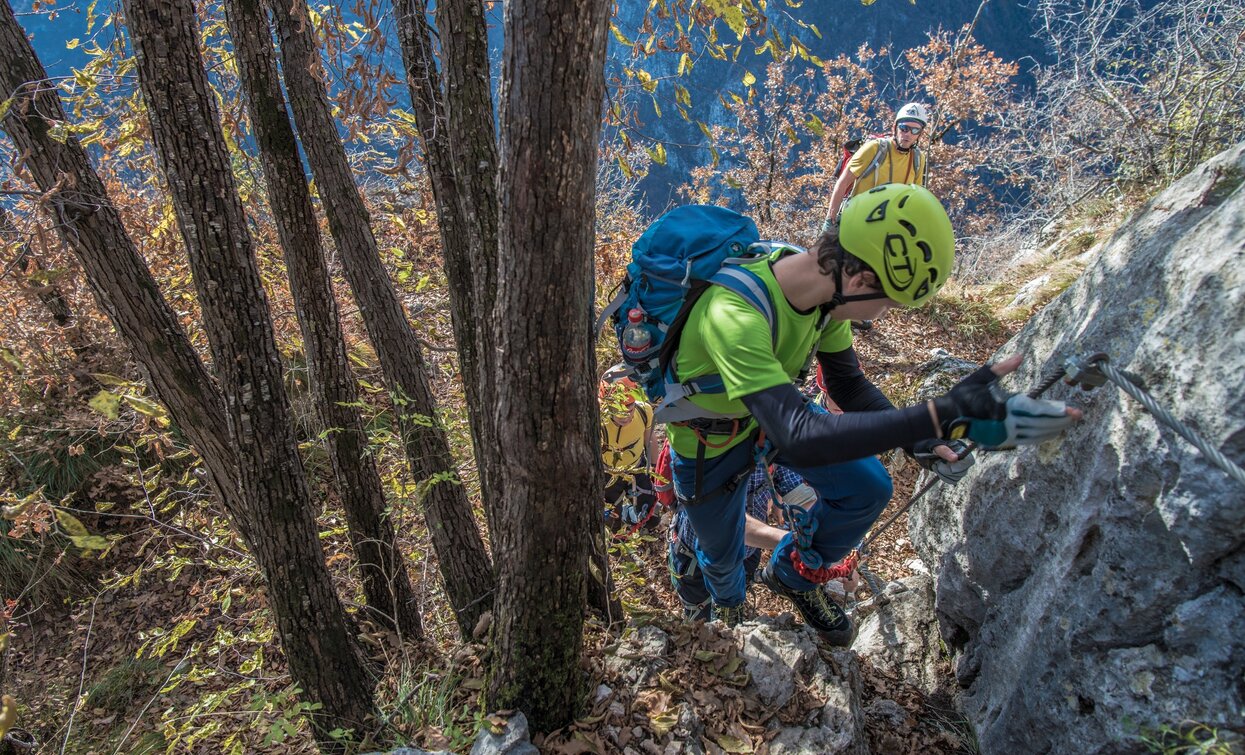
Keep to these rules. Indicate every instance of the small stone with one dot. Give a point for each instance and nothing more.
(602, 693)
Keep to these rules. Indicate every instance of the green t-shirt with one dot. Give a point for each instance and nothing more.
(727, 336)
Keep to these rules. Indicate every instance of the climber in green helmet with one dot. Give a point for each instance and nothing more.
(893, 247)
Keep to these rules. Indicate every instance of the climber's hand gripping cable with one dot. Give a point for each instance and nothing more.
(949, 459)
(977, 408)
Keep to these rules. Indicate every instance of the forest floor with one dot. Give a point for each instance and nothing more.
(166, 643)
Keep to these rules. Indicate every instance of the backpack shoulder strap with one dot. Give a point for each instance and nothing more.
(884, 148)
(646, 414)
(916, 163)
(749, 286)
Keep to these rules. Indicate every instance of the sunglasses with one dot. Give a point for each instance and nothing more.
(914, 130)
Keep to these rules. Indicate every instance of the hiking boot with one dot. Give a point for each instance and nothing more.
(702, 612)
(862, 325)
(819, 612)
(731, 616)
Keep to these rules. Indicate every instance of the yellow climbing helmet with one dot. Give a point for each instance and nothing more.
(903, 233)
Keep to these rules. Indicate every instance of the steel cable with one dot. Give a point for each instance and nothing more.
(1162, 415)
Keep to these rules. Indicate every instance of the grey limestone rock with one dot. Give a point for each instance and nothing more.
(774, 658)
(515, 739)
(1092, 586)
(839, 726)
(900, 638)
(640, 655)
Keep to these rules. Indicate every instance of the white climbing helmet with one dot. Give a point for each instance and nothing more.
(913, 111)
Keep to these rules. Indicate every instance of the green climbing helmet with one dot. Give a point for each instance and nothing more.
(903, 233)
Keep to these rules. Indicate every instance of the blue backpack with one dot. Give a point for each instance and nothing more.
(673, 263)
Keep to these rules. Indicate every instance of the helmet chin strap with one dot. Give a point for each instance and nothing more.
(838, 297)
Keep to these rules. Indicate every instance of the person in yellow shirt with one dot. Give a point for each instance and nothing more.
(626, 447)
(896, 159)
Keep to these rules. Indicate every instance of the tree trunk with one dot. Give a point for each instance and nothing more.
(460, 550)
(278, 522)
(546, 420)
(385, 582)
(87, 222)
(92, 228)
(454, 114)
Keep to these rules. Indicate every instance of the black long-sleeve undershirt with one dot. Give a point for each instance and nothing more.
(808, 438)
(847, 385)
(870, 424)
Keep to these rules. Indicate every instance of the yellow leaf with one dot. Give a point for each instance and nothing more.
(622, 39)
(749, 79)
(90, 542)
(84, 79)
(106, 403)
(730, 12)
(663, 723)
(72, 44)
(146, 407)
(647, 82)
(658, 153)
(8, 714)
(71, 525)
(105, 379)
(733, 744)
(685, 64)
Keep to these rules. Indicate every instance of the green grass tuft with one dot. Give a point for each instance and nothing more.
(130, 682)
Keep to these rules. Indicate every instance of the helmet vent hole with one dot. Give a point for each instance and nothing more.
(924, 247)
(911, 229)
(878, 213)
(903, 200)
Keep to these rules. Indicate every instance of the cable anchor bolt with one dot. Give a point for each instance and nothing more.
(1083, 370)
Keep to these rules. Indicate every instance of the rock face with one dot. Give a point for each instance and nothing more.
(1092, 587)
(900, 637)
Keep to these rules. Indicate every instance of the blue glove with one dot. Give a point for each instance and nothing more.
(949, 472)
(977, 408)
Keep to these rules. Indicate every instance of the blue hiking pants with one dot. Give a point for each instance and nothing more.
(850, 498)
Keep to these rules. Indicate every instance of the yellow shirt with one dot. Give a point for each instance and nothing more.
(896, 166)
(624, 444)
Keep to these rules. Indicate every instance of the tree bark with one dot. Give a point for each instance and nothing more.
(546, 420)
(282, 532)
(386, 584)
(460, 550)
(454, 115)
